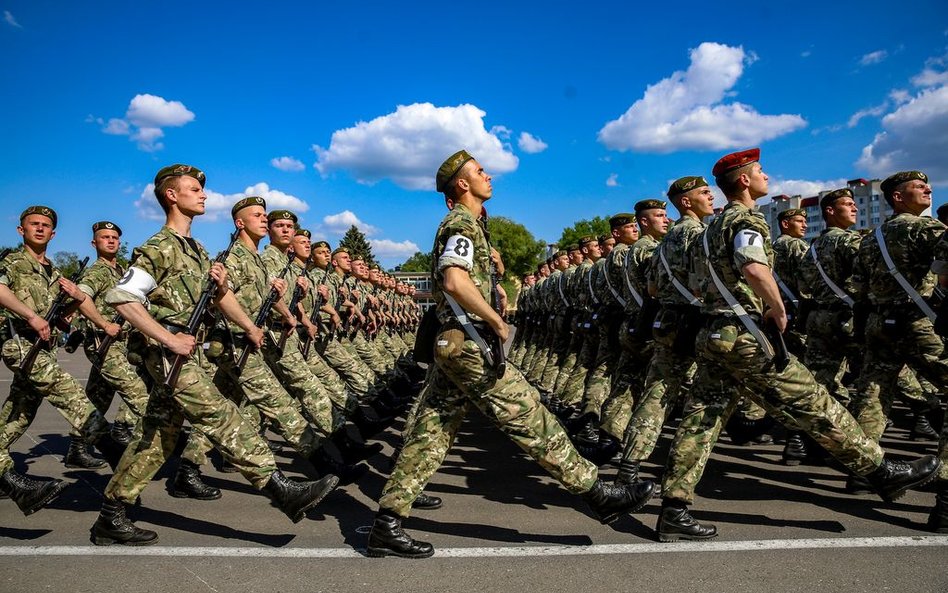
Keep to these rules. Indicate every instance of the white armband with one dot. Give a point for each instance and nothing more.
(459, 250)
(748, 238)
(137, 282)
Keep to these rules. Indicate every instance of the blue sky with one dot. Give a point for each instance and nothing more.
(343, 112)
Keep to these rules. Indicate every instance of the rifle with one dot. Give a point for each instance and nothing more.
(52, 317)
(297, 295)
(781, 355)
(500, 362)
(106, 343)
(197, 314)
(314, 317)
(263, 313)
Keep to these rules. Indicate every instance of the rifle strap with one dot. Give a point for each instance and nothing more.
(839, 292)
(469, 329)
(908, 288)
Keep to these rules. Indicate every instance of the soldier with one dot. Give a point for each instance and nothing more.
(29, 285)
(167, 273)
(675, 325)
(740, 296)
(460, 378)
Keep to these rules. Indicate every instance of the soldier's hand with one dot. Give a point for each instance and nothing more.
(498, 261)
(502, 330)
(336, 320)
(303, 283)
(312, 330)
(40, 326)
(779, 317)
(181, 344)
(290, 322)
(280, 285)
(72, 290)
(323, 292)
(112, 329)
(255, 337)
(219, 276)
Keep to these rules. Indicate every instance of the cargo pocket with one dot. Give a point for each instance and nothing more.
(721, 337)
(449, 343)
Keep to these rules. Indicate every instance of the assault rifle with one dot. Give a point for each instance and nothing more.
(106, 343)
(264, 313)
(496, 344)
(52, 318)
(314, 317)
(297, 296)
(197, 314)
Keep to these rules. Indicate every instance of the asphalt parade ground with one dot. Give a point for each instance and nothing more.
(505, 526)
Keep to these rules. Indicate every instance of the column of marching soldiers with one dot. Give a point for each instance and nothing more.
(613, 332)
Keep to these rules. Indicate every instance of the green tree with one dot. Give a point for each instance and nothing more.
(67, 262)
(597, 226)
(420, 262)
(356, 242)
(519, 249)
(122, 256)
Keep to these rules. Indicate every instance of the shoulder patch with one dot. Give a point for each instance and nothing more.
(460, 247)
(748, 238)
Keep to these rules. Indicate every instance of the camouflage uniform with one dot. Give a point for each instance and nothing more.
(602, 354)
(37, 288)
(555, 311)
(459, 379)
(789, 255)
(179, 266)
(731, 361)
(572, 373)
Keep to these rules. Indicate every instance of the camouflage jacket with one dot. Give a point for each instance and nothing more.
(675, 246)
(576, 291)
(836, 250)
(789, 255)
(249, 281)
(97, 280)
(274, 262)
(599, 296)
(35, 285)
(613, 271)
(179, 266)
(461, 241)
(736, 237)
(637, 269)
(911, 243)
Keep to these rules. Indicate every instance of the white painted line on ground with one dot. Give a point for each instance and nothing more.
(492, 552)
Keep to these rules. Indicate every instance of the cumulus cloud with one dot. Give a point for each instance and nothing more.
(612, 180)
(407, 146)
(218, 205)
(386, 248)
(287, 163)
(686, 110)
(530, 143)
(338, 224)
(502, 132)
(934, 74)
(10, 20)
(144, 119)
(873, 57)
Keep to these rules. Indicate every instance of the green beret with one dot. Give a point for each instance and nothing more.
(356, 256)
(649, 205)
(893, 181)
(106, 225)
(572, 248)
(375, 267)
(281, 215)
(304, 233)
(791, 212)
(320, 244)
(621, 219)
(42, 210)
(450, 167)
(603, 238)
(559, 253)
(178, 170)
(587, 239)
(834, 195)
(340, 249)
(251, 201)
(685, 184)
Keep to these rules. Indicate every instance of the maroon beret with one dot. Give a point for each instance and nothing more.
(734, 160)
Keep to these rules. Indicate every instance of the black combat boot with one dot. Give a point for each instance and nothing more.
(588, 433)
(858, 485)
(369, 425)
(893, 478)
(325, 464)
(79, 456)
(795, 451)
(387, 538)
(676, 523)
(922, 429)
(628, 472)
(295, 498)
(29, 494)
(609, 501)
(353, 451)
(122, 433)
(188, 484)
(110, 449)
(113, 527)
(606, 449)
(427, 502)
(938, 519)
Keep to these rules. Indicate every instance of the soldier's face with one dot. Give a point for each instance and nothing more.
(106, 242)
(654, 222)
(562, 262)
(341, 260)
(301, 247)
(188, 194)
(757, 181)
(592, 251)
(915, 196)
(321, 257)
(36, 230)
(576, 257)
(281, 232)
(795, 226)
(700, 201)
(253, 221)
(477, 180)
(606, 246)
(358, 269)
(842, 213)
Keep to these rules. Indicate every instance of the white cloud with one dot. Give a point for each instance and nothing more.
(914, 136)
(502, 132)
(900, 96)
(613, 180)
(409, 145)
(868, 112)
(287, 163)
(218, 205)
(873, 57)
(338, 224)
(802, 187)
(806, 53)
(685, 110)
(530, 143)
(386, 248)
(934, 74)
(8, 17)
(144, 119)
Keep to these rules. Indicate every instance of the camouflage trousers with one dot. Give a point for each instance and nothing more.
(370, 356)
(116, 374)
(537, 338)
(47, 380)
(829, 345)
(599, 378)
(460, 380)
(570, 364)
(627, 383)
(358, 377)
(296, 377)
(196, 399)
(899, 337)
(730, 364)
(574, 389)
(555, 353)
